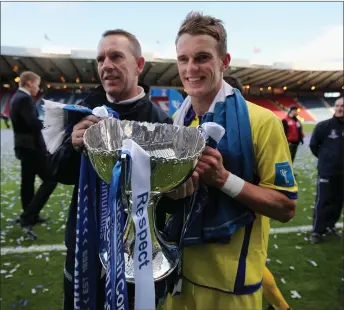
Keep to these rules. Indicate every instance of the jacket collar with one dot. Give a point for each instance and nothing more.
(24, 91)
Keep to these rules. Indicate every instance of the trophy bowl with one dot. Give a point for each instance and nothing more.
(174, 152)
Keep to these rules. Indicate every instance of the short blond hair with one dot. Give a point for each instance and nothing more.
(196, 23)
(28, 76)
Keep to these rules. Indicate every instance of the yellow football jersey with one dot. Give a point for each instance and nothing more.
(215, 266)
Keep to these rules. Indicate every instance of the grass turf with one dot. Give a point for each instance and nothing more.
(3, 125)
(320, 287)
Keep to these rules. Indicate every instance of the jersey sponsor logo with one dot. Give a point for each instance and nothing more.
(284, 175)
(333, 134)
(321, 180)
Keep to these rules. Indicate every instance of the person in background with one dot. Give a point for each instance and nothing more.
(293, 131)
(327, 143)
(6, 120)
(30, 149)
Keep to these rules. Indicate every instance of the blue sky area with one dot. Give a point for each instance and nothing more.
(307, 32)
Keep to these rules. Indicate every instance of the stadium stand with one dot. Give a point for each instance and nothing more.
(330, 101)
(317, 107)
(312, 108)
(268, 104)
(287, 102)
(77, 98)
(58, 96)
(5, 98)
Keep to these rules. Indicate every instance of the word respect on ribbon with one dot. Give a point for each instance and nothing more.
(141, 230)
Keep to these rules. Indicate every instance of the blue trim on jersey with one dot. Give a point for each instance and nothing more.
(291, 195)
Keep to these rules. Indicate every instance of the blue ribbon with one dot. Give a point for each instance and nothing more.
(87, 111)
(104, 216)
(86, 228)
(115, 282)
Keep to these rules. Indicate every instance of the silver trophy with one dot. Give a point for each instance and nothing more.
(174, 152)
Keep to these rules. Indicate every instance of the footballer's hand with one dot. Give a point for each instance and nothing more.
(210, 168)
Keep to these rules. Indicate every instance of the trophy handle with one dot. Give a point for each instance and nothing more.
(171, 251)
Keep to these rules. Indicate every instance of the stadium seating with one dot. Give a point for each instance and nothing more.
(77, 98)
(287, 102)
(5, 98)
(312, 109)
(58, 96)
(266, 103)
(317, 106)
(330, 101)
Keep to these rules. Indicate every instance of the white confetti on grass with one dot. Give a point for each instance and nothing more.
(295, 295)
(312, 262)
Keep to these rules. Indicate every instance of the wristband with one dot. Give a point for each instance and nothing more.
(233, 186)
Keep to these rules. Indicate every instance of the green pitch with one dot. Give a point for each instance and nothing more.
(35, 280)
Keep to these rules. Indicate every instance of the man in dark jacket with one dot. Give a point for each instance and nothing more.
(327, 145)
(30, 149)
(119, 66)
(293, 131)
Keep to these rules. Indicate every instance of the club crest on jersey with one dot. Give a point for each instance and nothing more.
(284, 175)
(333, 134)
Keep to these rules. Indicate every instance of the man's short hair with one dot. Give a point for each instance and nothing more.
(28, 76)
(234, 82)
(196, 23)
(132, 39)
(292, 108)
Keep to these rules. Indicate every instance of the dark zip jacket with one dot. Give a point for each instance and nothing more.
(66, 161)
(327, 144)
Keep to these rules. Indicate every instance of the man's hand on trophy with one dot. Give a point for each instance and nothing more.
(79, 130)
(186, 189)
(210, 168)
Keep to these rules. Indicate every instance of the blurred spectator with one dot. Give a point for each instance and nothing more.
(293, 130)
(6, 119)
(327, 145)
(30, 149)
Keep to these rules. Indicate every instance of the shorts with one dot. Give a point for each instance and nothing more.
(194, 297)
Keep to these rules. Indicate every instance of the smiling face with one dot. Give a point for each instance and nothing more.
(200, 65)
(118, 68)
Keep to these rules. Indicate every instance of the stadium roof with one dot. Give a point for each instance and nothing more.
(75, 67)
